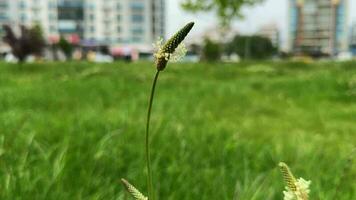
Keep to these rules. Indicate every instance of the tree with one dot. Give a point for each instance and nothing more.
(29, 42)
(66, 47)
(226, 10)
(36, 40)
(211, 51)
(251, 47)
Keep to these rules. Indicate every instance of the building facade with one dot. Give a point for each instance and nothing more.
(28, 13)
(111, 22)
(353, 39)
(318, 27)
(271, 32)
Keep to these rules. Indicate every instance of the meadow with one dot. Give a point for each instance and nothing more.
(72, 130)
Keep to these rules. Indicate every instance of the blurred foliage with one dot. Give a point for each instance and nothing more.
(30, 41)
(226, 10)
(211, 50)
(66, 47)
(251, 47)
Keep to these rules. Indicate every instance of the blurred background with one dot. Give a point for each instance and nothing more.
(103, 31)
(263, 81)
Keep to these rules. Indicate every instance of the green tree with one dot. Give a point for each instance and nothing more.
(29, 42)
(226, 10)
(66, 47)
(211, 50)
(37, 39)
(251, 47)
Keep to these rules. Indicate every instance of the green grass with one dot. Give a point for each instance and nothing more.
(72, 130)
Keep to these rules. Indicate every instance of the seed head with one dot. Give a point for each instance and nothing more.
(133, 191)
(166, 52)
(295, 189)
(288, 176)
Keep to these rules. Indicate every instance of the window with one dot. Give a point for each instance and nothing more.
(136, 39)
(137, 18)
(119, 17)
(22, 5)
(137, 30)
(4, 5)
(91, 6)
(107, 39)
(107, 23)
(91, 17)
(310, 7)
(36, 2)
(92, 29)
(119, 29)
(51, 4)
(137, 6)
(3, 16)
(23, 17)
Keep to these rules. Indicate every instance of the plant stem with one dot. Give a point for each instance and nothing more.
(148, 157)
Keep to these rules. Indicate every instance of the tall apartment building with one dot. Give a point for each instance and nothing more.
(353, 39)
(318, 26)
(98, 21)
(16, 12)
(271, 32)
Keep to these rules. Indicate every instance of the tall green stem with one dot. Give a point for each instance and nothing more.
(148, 157)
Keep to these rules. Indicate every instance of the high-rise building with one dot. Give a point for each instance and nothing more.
(271, 32)
(100, 21)
(318, 26)
(70, 17)
(353, 39)
(22, 12)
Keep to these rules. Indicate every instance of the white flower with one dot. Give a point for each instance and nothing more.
(301, 193)
(176, 56)
(157, 46)
(288, 195)
(303, 185)
(179, 53)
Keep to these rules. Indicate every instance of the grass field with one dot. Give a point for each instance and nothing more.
(72, 130)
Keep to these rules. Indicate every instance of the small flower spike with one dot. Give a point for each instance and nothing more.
(172, 49)
(296, 189)
(133, 191)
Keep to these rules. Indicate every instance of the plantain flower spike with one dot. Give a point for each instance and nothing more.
(172, 49)
(136, 194)
(296, 189)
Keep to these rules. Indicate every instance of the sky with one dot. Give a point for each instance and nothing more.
(271, 11)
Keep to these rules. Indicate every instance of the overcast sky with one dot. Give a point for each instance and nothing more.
(271, 11)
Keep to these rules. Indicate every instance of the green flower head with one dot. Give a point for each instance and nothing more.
(136, 194)
(172, 49)
(296, 189)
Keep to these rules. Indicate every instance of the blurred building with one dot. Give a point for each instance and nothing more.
(353, 39)
(108, 22)
(69, 18)
(271, 32)
(16, 12)
(318, 27)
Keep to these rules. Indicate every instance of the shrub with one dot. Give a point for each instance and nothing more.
(30, 41)
(212, 50)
